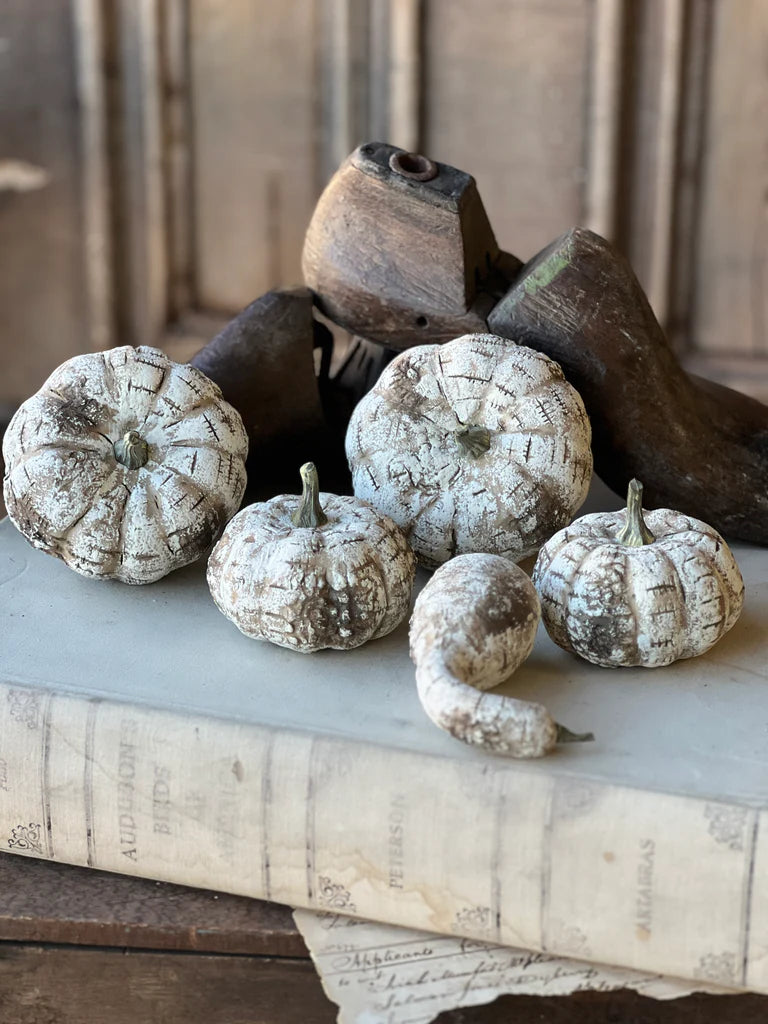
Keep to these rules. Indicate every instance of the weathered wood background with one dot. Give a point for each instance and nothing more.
(184, 142)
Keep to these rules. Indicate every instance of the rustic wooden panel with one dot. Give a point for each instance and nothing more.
(650, 139)
(70, 985)
(60, 985)
(506, 99)
(42, 293)
(693, 106)
(745, 373)
(41, 901)
(605, 113)
(139, 171)
(730, 313)
(254, 103)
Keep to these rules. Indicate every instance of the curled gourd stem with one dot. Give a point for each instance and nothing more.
(635, 533)
(131, 451)
(565, 735)
(309, 512)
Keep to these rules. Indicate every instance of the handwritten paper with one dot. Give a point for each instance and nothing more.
(380, 974)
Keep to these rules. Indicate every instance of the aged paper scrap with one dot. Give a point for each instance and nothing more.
(382, 974)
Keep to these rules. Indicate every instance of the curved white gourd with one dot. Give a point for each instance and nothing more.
(473, 625)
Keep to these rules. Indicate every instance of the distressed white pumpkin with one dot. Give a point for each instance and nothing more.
(638, 588)
(310, 572)
(478, 445)
(125, 464)
(473, 625)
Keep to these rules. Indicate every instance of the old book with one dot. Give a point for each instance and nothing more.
(140, 732)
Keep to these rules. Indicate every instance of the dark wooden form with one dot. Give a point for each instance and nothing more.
(400, 251)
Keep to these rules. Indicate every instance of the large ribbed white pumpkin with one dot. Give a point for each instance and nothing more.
(638, 588)
(125, 464)
(478, 445)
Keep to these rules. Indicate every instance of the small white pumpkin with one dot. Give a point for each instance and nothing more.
(125, 464)
(475, 445)
(473, 625)
(635, 588)
(310, 572)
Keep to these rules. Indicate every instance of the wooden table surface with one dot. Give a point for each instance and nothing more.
(85, 947)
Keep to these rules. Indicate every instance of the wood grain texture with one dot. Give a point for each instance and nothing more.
(41, 901)
(49, 985)
(254, 109)
(138, 172)
(42, 284)
(46, 985)
(506, 99)
(405, 74)
(89, 31)
(605, 111)
(731, 296)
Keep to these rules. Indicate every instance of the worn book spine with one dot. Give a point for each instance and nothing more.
(484, 848)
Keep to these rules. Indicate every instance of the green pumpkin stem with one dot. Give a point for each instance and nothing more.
(131, 451)
(635, 533)
(309, 512)
(566, 736)
(474, 440)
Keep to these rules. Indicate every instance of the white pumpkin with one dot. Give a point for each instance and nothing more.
(125, 464)
(478, 445)
(638, 588)
(311, 572)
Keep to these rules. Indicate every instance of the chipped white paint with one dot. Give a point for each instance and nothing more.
(650, 605)
(473, 624)
(409, 445)
(310, 587)
(66, 491)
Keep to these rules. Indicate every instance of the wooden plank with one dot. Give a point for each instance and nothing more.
(178, 158)
(91, 44)
(605, 108)
(658, 287)
(506, 99)
(405, 74)
(64, 985)
(697, 32)
(637, 217)
(254, 99)
(730, 313)
(42, 279)
(50, 985)
(139, 173)
(747, 373)
(41, 901)
(377, 115)
(342, 58)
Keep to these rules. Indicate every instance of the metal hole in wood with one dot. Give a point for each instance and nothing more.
(413, 166)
